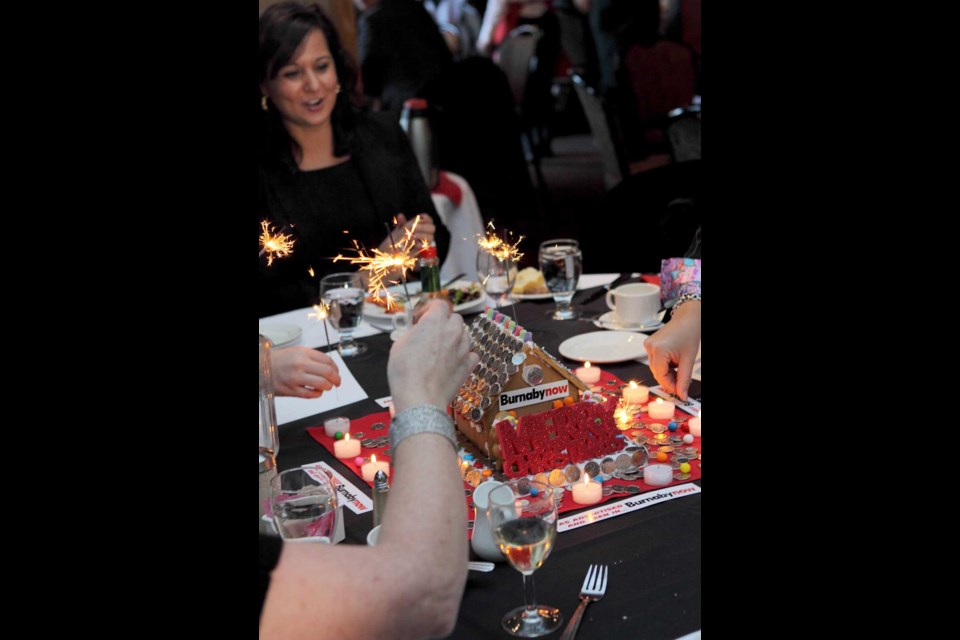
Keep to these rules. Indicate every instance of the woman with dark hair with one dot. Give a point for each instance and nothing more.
(328, 172)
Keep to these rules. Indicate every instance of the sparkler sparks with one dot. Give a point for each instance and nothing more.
(381, 264)
(498, 247)
(321, 312)
(279, 245)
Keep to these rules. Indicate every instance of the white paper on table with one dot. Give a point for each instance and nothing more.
(591, 280)
(692, 636)
(313, 333)
(386, 402)
(349, 391)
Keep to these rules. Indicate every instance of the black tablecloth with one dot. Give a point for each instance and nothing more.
(653, 554)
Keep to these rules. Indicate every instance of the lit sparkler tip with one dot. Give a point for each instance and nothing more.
(275, 245)
(498, 247)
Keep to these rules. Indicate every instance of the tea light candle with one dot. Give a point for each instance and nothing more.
(695, 425)
(658, 475)
(587, 492)
(661, 410)
(635, 393)
(346, 448)
(588, 374)
(332, 425)
(370, 469)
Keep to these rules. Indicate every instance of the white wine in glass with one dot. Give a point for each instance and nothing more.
(523, 517)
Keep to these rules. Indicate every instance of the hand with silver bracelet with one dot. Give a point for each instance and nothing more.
(429, 363)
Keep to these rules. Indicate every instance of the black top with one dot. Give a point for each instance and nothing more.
(270, 547)
(361, 196)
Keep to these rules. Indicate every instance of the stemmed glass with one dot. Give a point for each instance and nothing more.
(561, 262)
(344, 294)
(523, 517)
(496, 274)
(303, 502)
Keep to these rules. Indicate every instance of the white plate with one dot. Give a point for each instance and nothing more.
(532, 296)
(281, 335)
(376, 313)
(604, 346)
(609, 321)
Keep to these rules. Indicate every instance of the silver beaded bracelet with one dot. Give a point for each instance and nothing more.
(682, 299)
(421, 419)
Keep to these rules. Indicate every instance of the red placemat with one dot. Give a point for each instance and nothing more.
(609, 383)
(362, 425)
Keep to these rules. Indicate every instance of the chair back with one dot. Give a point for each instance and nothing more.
(605, 130)
(517, 56)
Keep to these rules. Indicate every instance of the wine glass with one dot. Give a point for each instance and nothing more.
(496, 274)
(561, 262)
(344, 294)
(523, 517)
(303, 502)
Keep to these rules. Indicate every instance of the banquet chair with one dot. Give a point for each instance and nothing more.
(660, 77)
(517, 56)
(605, 130)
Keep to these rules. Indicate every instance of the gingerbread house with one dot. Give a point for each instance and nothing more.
(521, 408)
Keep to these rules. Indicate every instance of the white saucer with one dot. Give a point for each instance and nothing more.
(605, 346)
(609, 321)
(281, 335)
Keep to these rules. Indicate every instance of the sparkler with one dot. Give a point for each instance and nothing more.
(500, 249)
(321, 312)
(379, 264)
(279, 245)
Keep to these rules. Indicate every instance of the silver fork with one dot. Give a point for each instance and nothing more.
(594, 586)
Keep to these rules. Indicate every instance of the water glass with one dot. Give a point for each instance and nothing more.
(344, 294)
(303, 503)
(561, 262)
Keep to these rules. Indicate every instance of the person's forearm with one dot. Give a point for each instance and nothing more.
(430, 533)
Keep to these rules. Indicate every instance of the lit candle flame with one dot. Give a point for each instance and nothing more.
(587, 365)
(275, 245)
(586, 479)
(373, 458)
(633, 385)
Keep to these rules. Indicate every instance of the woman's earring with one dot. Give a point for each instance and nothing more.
(263, 103)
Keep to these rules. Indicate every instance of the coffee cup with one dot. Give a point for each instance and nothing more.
(635, 304)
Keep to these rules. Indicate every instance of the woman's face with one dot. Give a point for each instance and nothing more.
(304, 90)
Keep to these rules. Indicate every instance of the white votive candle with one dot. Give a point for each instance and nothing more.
(661, 410)
(695, 425)
(346, 448)
(369, 470)
(658, 475)
(635, 393)
(588, 374)
(587, 492)
(332, 425)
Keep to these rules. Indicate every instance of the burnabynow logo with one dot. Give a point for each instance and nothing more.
(350, 496)
(533, 395)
